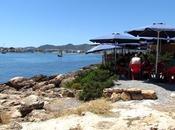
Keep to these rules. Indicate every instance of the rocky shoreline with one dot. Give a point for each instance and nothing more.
(38, 97)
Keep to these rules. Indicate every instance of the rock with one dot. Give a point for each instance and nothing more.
(33, 101)
(38, 115)
(24, 110)
(15, 114)
(3, 96)
(109, 91)
(17, 79)
(29, 103)
(115, 97)
(125, 96)
(59, 105)
(172, 95)
(57, 80)
(4, 87)
(153, 128)
(47, 87)
(39, 85)
(136, 96)
(149, 94)
(11, 103)
(15, 126)
(20, 82)
(40, 78)
(118, 90)
(67, 93)
(113, 90)
(133, 91)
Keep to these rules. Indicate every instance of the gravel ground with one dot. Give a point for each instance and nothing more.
(163, 91)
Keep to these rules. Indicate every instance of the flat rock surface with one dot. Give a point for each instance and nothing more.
(127, 115)
(163, 91)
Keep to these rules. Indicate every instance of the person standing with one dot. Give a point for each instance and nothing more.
(135, 67)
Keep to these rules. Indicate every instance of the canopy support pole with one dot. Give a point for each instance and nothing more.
(115, 59)
(157, 51)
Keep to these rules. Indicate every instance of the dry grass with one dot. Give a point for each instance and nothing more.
(5, 117)
(99, 106)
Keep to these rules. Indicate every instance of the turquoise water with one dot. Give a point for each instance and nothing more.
(30, 64)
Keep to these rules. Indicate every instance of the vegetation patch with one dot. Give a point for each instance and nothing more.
(93, 82)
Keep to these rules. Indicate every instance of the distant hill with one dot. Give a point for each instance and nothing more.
(67, 47)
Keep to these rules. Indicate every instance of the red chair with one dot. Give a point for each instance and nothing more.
(170, 74)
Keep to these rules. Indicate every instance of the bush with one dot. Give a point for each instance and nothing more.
(92, 83)
(91, 90)
(76, 86)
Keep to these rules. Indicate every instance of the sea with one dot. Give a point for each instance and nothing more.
(30, 64)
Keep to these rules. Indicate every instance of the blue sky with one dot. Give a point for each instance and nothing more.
(37, 22)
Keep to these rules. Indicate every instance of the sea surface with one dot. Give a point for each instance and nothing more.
(30, 64)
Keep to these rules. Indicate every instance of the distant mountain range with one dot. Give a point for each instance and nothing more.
(69, 48)
(83, 47)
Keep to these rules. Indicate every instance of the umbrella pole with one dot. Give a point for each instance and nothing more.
(157, 51)
(115, 60)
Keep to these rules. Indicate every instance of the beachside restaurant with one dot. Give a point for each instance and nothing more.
(157, 54)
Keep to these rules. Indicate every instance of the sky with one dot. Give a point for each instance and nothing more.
(38, 22)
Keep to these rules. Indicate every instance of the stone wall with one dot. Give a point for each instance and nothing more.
(116, 94)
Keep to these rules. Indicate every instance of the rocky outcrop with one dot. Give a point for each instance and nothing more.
(116, 94)
(20, 82)
(31, 99)
(30, 103)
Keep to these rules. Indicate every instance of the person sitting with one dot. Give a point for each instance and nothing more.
(135, 67)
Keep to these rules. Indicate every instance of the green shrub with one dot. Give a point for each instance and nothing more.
(68, 84)
(91, 90)
(92, 83)
(76, 86)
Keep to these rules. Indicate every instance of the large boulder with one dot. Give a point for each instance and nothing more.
(149, 94)
(29, 103)
(57, 80)
(38, 115)
(20, 82)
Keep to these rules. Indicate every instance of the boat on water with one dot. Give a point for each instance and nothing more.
(59, 55)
